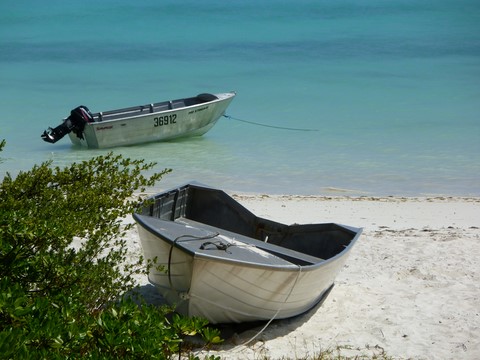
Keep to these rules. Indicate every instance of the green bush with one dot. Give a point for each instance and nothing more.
(63, 266)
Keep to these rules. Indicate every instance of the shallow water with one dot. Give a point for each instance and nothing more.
(391, 89)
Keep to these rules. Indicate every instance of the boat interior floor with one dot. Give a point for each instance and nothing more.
(150, 108)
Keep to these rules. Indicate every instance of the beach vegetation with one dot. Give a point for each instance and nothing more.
(64, 271)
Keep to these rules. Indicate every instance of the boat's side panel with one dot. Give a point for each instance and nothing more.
(171, 124)
(224, 293)
(172, 271)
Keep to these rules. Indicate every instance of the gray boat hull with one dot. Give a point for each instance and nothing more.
(221, 262)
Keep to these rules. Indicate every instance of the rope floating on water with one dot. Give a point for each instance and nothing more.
(269, 126)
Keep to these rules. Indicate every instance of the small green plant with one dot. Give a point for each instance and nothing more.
(195, 326)
(63, 269)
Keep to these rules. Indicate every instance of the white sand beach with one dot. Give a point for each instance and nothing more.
(410, 288)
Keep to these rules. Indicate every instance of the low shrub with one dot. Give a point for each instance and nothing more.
(63, 269)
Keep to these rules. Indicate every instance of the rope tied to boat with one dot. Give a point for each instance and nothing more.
(217, 244)
(279, 309)
(267, 125)
(184, 238)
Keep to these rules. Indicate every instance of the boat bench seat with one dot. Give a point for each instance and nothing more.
(136, 111)
(288, 254)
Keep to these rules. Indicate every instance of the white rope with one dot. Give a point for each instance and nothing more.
(278, 311)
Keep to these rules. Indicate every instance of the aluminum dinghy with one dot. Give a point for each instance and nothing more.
(219, 261)
(162, 121)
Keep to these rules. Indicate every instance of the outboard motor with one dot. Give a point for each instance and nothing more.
(75, 122)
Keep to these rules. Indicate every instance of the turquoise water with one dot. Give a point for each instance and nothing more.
(392, 88)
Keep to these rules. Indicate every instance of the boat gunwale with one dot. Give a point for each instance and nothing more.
(267, 247)
(141, 108)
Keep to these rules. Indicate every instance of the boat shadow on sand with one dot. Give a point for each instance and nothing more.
(242, 333)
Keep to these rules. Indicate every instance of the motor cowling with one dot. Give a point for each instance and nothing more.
(79, 116)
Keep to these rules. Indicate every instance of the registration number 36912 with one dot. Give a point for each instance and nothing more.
(165, 120)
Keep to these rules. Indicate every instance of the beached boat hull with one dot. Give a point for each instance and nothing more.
(219, 261)
(162, 121)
